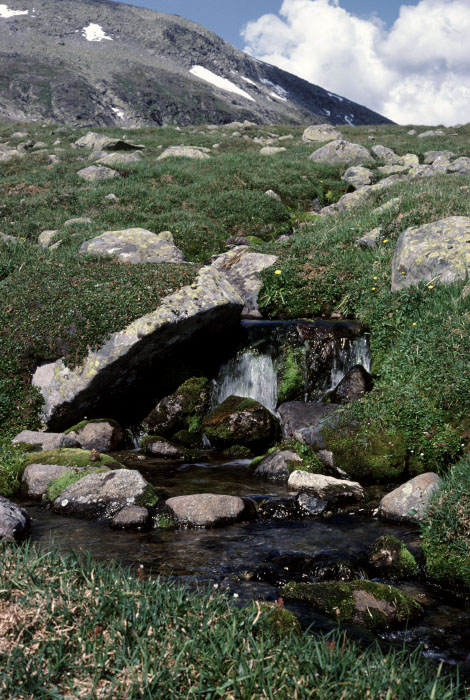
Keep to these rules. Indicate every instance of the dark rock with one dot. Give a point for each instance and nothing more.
(205, 509)
(278, 508)
(353, 386)
(409, 501)
(240, 421)
(281, 567)
(131, 518)
(275, 467)
(296, 415)
(14, 521)
(174, 412)
(104, 436)
(311, 505)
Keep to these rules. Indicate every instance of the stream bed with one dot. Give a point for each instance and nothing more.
(239, 559)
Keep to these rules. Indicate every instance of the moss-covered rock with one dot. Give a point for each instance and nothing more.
(241, 421)
(374, 606)
(74, 457)
(237, 452)
(390, 555)
(182, 410)
(278, 622)
(66, 479)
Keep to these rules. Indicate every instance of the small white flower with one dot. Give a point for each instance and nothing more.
(235, 595)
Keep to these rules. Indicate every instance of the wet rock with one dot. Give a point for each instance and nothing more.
(353, 386)
(180, 410)
(103, 142)
(409, 501)
(277, 508)
(184, 152)
(97, 173)
(357, 176)
(45, 441)
(205, 510)
(37, 477)
(134, 245)
(14, 521)
(327, 487)
(321, 132)
(327, 565)
(242, 267)
(297, 415)
(101, 435)
(311, 505)
(122, 362)
(461, 166)
(156, 447)
(385, 154)
(372, 605)
(277, 466)
(131, 518)
(390, 557)
(435, 251)
(341, 151)
(102, 495)
(241, 421)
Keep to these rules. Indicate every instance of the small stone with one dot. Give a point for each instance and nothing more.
(184, 152)
(131, 518)
(78, 221)
(275, 467)
(273, 195)
(46, 238)
(369, 239)
(96, 173)
(111, 197)
(272, 150)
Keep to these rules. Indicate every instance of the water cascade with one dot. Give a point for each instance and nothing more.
(347, 355)
(249, 374)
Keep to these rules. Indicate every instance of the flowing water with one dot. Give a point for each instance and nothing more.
(249, 374)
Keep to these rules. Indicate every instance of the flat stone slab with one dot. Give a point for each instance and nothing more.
(409, 501)
(205, 509)
(325, 486)
(14, 521)
(439, 251)
(134, 245)
(46, 441)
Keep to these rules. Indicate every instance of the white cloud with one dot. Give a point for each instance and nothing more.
(418, 71)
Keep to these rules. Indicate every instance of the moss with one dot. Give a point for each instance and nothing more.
(164, 520)
(291, 377)
(74, 457)
(28, 447)
(62, 482)
(392, 554)
(78, 426)
(149, 498)
(278, 622)
(237, 452)
(343, 601)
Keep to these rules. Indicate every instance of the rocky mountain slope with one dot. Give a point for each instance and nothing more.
(97, 62)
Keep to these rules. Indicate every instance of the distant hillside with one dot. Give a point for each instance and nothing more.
(97, 62)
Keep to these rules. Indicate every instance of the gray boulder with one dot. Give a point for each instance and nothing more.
(294, 416)
(385, 154)
(436, 251)
(37, 477)
(134, 245)
(409, 501)
(103, 142)
(47, 238)
(113, 159)
(409, 160)
(184, 152)
(242, 268)
(131, 518)
(122, 363)
(358, 176)
(341, 151)
(96, 173)
(104, 436)
(430, 133)
(327, 487)
(205, 510)
(14, 521)
(272, 150)
(461, 166)
(275, 467)
(102, 495)
(431, 156)
(321, 132)
(45, 441)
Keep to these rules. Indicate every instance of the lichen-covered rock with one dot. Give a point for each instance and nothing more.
(14, 521)
(374, 606)
(390, 557)
(101, 435)
(409, 501)
(353, 386)
(240, 421)
(409, 160)
(113, 159)
(45, 441)
(97, 173)
(340, 151)
(325, 486)
(134, 245)
(242, 267)
(182, 410)
(73, 457)
(47, 238)
(431, 156)
(385, 154)
(321, 132)
(184, 152)
(123, 361)
(392, 169)
(436, 251)
(103, 142)
(102, 495)
(277, 466)
(37, 477)
(358, 176)
(461, 166)
(279, 622)
(205, 509)
(131, 518)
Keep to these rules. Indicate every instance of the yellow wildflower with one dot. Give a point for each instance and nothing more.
(277, 272)
(431, 286)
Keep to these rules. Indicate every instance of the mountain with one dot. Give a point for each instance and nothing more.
(98, 62)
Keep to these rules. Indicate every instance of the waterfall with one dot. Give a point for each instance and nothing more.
(135, 435)
(249, 374)
(357, 353)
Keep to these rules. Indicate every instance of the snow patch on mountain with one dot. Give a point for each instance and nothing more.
(337, 97)
(95, 32)
(5, 12)
(218, 81)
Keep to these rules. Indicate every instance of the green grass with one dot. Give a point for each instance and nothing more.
(73, 628)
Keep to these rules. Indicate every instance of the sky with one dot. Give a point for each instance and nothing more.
(409, 61)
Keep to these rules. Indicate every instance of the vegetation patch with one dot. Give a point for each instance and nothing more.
(62, 482)
(73, 457)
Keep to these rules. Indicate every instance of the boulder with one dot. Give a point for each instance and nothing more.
(358, 176)
(409, 160)
(175, 412)
(272, 150)
(113, 159)
(156, 447)
(134, 245)
(433, 132)
(122, 363)
(392, 169)
(240, 421)
(353, 386)
(340, 151)
(297, 417)
(131, 518)
(102, 495)
(409, 501)
(277, 466)
(320, 132)
(103, 142)
(14, 521)
(436, 251)
(242, 267)
(461, 166)
(431, 156)
(96, 173)
(101, 435)
(45, 441)
(374, 606)
(385, 154)
(326, 487)
(184, 152)
(37, 477)
(205, 510)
